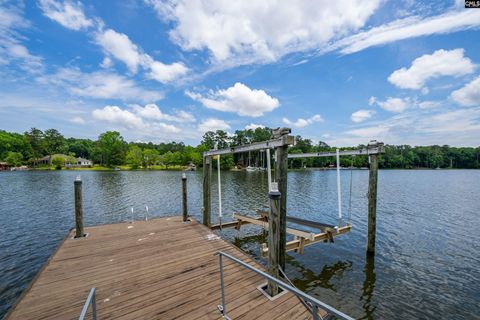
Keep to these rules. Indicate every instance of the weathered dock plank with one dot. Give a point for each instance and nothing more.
(157, 269)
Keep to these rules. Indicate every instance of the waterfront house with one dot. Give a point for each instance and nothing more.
(69, 161)
(82, 162)
(4, 166)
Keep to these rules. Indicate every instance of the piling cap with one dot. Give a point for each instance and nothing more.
(273, 192)
(78, 179)
(184, 176)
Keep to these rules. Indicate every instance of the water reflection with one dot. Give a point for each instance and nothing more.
(309, 279)
(368, 288)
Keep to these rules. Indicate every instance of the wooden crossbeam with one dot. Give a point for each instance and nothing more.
(263, 222)
(270, 144)
(303, 222)
(372, 148)
(231, 224)
(299, 244)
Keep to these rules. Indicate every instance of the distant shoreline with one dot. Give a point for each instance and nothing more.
(232, 170)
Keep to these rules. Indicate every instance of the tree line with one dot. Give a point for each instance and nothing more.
(110, 150)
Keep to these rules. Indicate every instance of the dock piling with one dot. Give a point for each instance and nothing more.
(207, 181)
(274, 243)
(78, 208)
(281, 178)
(372, 199)
(184, 197)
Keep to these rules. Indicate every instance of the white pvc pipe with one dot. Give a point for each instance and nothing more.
(269, 171)
(219, 189)
(339, 192)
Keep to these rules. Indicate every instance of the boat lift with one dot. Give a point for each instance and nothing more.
(302, 238)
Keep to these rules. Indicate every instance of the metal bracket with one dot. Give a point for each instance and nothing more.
(220, 308)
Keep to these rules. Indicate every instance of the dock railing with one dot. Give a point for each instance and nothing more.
(91, 300)
(315, 304)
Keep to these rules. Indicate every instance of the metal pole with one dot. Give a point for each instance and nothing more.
(94, 305)
(222, 287)
(315, 313)
(78, 208)
(269, 171)
(184, 197)
(288, 287)
(219, 191)
(339, 190)
(274, 239)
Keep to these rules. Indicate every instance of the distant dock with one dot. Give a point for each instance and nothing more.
(158, 269)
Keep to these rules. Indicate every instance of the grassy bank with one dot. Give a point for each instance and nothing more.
(122, 168)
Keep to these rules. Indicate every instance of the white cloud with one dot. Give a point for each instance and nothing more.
(152, 111)
(185, 116)
(78, 120)
(164, 128)
(461, 121)
(372, 100)
(469, 95)
(99, 85)
(411, 27)
(253, 126)
(370, 133)
(114, 44)
(119, 46)
(130, 120)
(106, 63)
(362, 115)
(11, 48)
(115, 115)
(459, 127)
(239, 99)
(165, 73)
(68, 13)
(246, 31)
(429, 104)
(300, 123)
(212, 124)
(440, 63)
(395, 104)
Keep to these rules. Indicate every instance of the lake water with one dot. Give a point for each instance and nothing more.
(428, 244)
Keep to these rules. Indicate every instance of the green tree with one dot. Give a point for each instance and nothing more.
(134, 157)
(15, 142)
(14, 158)
(36, 140)
(81, 147)
(54, 142)
(111, 148)
(150, 157)
(58, 162)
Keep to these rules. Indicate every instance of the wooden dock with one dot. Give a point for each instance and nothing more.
(158, 269)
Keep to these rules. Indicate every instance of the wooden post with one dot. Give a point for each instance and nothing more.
(184, 197)
(78, 208)
(207, 181)
(274, 250)
(372, 203)
(281, 178)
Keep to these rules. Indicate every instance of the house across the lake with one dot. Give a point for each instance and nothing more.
(82, 162)
(4, 166)
(69, 161)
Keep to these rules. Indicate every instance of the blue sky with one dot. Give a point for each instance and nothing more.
(343, 72)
